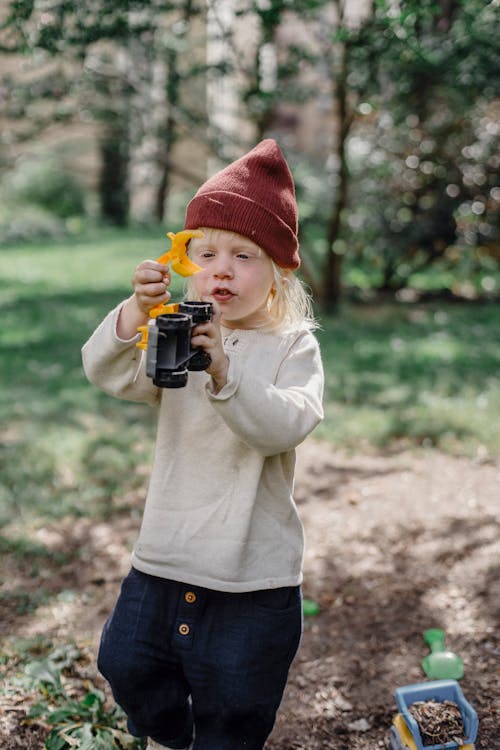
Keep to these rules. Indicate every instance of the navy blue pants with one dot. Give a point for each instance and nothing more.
(176, 654)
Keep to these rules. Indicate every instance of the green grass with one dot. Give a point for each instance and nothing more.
(414, 374)
(65, 447)
(421, 374)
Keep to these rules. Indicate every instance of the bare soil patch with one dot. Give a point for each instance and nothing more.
(396, 543)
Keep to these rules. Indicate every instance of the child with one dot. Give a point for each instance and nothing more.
(209, 618)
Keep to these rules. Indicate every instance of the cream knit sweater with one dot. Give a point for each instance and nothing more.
(219, 511)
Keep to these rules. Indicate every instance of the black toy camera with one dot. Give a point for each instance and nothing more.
(169, 354)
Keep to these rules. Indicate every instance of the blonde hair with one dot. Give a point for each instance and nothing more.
(289, 304)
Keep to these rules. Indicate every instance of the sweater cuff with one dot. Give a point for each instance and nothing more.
(114, 323)
(231, 386)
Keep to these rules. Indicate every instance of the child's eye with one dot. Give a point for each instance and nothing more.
(243, 256)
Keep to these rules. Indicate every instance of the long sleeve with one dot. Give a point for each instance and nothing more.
(274, 417)
(115, 365)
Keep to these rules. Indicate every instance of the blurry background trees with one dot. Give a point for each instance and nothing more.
(387, 110)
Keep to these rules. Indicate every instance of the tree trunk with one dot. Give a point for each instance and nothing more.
(163, 190)
(332, 273)
(113, 178)
(112, 106)
(169, 134)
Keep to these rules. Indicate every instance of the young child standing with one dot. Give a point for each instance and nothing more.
(208, 620)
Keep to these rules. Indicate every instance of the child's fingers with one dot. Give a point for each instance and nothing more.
(208, 337)
(149, 276)
(207, 330)
(151, 271)
(153, 264)
(210, 328)
(152, 290)
(150, 282)
(146, 302)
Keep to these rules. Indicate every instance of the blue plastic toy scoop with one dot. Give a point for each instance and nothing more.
(441, 664)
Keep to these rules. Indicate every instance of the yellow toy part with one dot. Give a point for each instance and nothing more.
(405, 739)
(143, 343)
(164, 308)
(404, 734)
(177, 255)
(181, 264)
(161, 309)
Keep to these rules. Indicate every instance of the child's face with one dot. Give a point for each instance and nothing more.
(237, 275)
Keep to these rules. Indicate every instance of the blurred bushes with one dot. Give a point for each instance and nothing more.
(423, 209)
(26, 223)
(45, 183)
(40, 199)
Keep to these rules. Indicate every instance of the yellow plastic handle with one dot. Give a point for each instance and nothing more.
(143, 343)
(181, 264)
(161, 309)
(177, 255)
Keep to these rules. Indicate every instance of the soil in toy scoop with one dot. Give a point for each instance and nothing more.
(438, 722)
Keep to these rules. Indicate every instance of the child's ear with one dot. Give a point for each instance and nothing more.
(280, 282)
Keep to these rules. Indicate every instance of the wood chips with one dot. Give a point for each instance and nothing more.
(438, 722)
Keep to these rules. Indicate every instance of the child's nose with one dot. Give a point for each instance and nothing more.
(223, 268)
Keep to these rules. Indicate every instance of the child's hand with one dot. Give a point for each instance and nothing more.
(150, 282)
(208, 336)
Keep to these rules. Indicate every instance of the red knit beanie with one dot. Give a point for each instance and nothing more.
(254, 196)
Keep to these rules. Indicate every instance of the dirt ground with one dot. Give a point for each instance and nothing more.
(396, 543)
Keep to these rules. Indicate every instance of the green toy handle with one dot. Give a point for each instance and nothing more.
(435, 638)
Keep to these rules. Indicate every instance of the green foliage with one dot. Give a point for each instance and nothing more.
(422, 152)
(81, 80)
(75, 710)
(85, 724)
(45, 183)
(416, 204)
(424, 43)
(39, 200)
(46, 671)
(25, 223)
(24, 602)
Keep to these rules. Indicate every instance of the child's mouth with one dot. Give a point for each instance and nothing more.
(222, 294)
